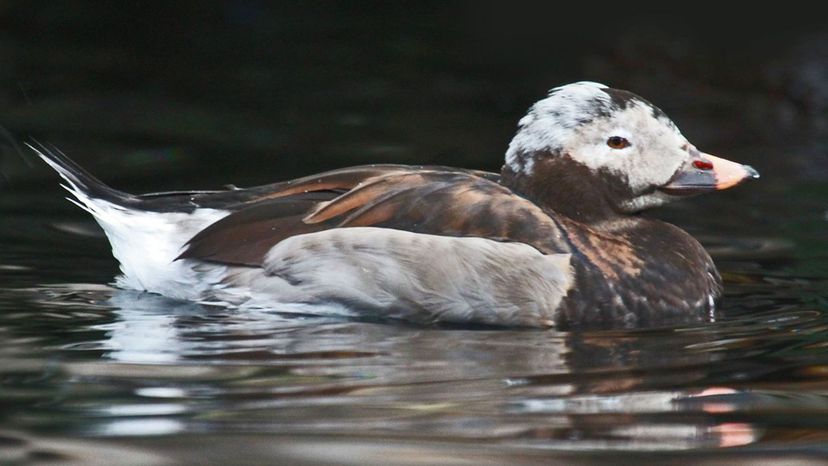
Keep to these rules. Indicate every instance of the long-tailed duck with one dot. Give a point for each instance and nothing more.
(551, 240)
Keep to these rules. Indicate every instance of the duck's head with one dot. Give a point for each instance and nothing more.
(591, 151)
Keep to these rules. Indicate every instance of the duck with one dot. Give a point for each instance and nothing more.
(553, 240)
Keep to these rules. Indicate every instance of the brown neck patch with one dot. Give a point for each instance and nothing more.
(560, 184)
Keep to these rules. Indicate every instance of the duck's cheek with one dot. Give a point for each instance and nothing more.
(646, 173)
(599, 157)
(638, 176)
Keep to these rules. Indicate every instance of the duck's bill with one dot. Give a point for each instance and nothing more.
(707, 173)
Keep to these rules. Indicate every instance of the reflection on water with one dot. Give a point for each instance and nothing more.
(159, 367)
(96, 361)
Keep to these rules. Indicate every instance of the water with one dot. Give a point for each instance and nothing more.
(90, 373)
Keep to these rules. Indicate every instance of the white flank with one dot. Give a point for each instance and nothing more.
(409, 275)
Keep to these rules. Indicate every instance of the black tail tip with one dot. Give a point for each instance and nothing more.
(76, 175)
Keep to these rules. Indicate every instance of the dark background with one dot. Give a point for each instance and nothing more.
(175, 95)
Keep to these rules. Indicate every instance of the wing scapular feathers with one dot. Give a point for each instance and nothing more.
(433, 200)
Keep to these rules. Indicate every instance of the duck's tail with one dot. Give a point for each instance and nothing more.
(145, 242)
(84, 187)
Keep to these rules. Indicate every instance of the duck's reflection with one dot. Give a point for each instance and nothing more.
(313, 375)
(141, 333)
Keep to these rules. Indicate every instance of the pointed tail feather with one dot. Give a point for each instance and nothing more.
(82, 184)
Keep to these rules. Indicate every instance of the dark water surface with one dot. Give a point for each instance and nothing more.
(93, 374)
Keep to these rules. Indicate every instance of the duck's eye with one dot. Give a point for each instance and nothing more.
(617, 142)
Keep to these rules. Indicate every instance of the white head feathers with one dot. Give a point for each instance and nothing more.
(576, 121)
(548, 123)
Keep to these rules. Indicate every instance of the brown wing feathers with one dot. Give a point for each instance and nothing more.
(442, 202)
(342, 179)
(380, 191)
(243, 237)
